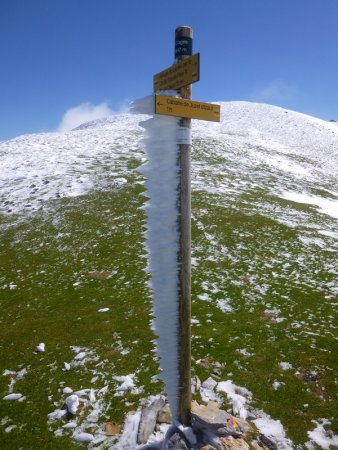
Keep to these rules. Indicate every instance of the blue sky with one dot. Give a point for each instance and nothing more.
(58, 54)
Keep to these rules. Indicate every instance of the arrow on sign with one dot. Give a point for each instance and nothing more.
(181, 107)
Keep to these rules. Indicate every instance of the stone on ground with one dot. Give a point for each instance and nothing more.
(112, 429)
(210, 418)
(164, 415)
(233, 444)
(148, 420)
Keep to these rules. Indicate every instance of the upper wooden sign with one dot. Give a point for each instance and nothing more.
(181, 74)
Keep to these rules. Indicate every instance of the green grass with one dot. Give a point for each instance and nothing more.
(238, 273)
(78, 238)
(240, 254)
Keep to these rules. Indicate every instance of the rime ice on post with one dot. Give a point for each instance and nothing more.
(168, 147)
(162, 240)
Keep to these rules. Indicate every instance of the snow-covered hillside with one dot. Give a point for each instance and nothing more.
(42, 167)
(281, 131)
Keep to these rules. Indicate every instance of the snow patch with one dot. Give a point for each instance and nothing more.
(72, 403)
(321, 436)
(127, 384)
(67, 390)
(285, 365)
(83, 437)
(12, 396)
(40, 348)
(325, 205)
(238, 396)
(224, 305)
(128, 438)
(277, 384)
(274, 430)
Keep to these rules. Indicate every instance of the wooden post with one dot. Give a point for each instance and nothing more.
(183, 49)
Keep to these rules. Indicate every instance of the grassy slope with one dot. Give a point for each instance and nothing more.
(248, 327)
(45, 257)
(237, 250)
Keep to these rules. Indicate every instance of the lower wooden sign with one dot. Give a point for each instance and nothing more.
(181, 107)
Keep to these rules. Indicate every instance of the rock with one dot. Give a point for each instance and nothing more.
(164, 415)
(258, 446)
(233, 444)
(209, 384)
(188, 434)
(195, 384)
(217, 373)
(150, 447)
(310, 376)
(212, 419)
(208, 447)
(251, 416)
(267, 442)
(207, 363)
(178, 442)
(245, 426)
(99, 275)
(148, 420)
(112, 429)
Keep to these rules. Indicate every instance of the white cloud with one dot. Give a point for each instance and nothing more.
(85, 112)
(275, 91)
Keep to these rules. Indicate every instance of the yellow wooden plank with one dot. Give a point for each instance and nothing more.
(181, 74)
(180, 107)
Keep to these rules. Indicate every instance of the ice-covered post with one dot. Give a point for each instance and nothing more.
(183, 49)
(167, 144)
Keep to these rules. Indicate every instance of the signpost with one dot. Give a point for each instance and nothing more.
(179, 77)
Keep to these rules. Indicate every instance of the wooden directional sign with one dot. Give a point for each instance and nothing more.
(181, 74)
(180, 107)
